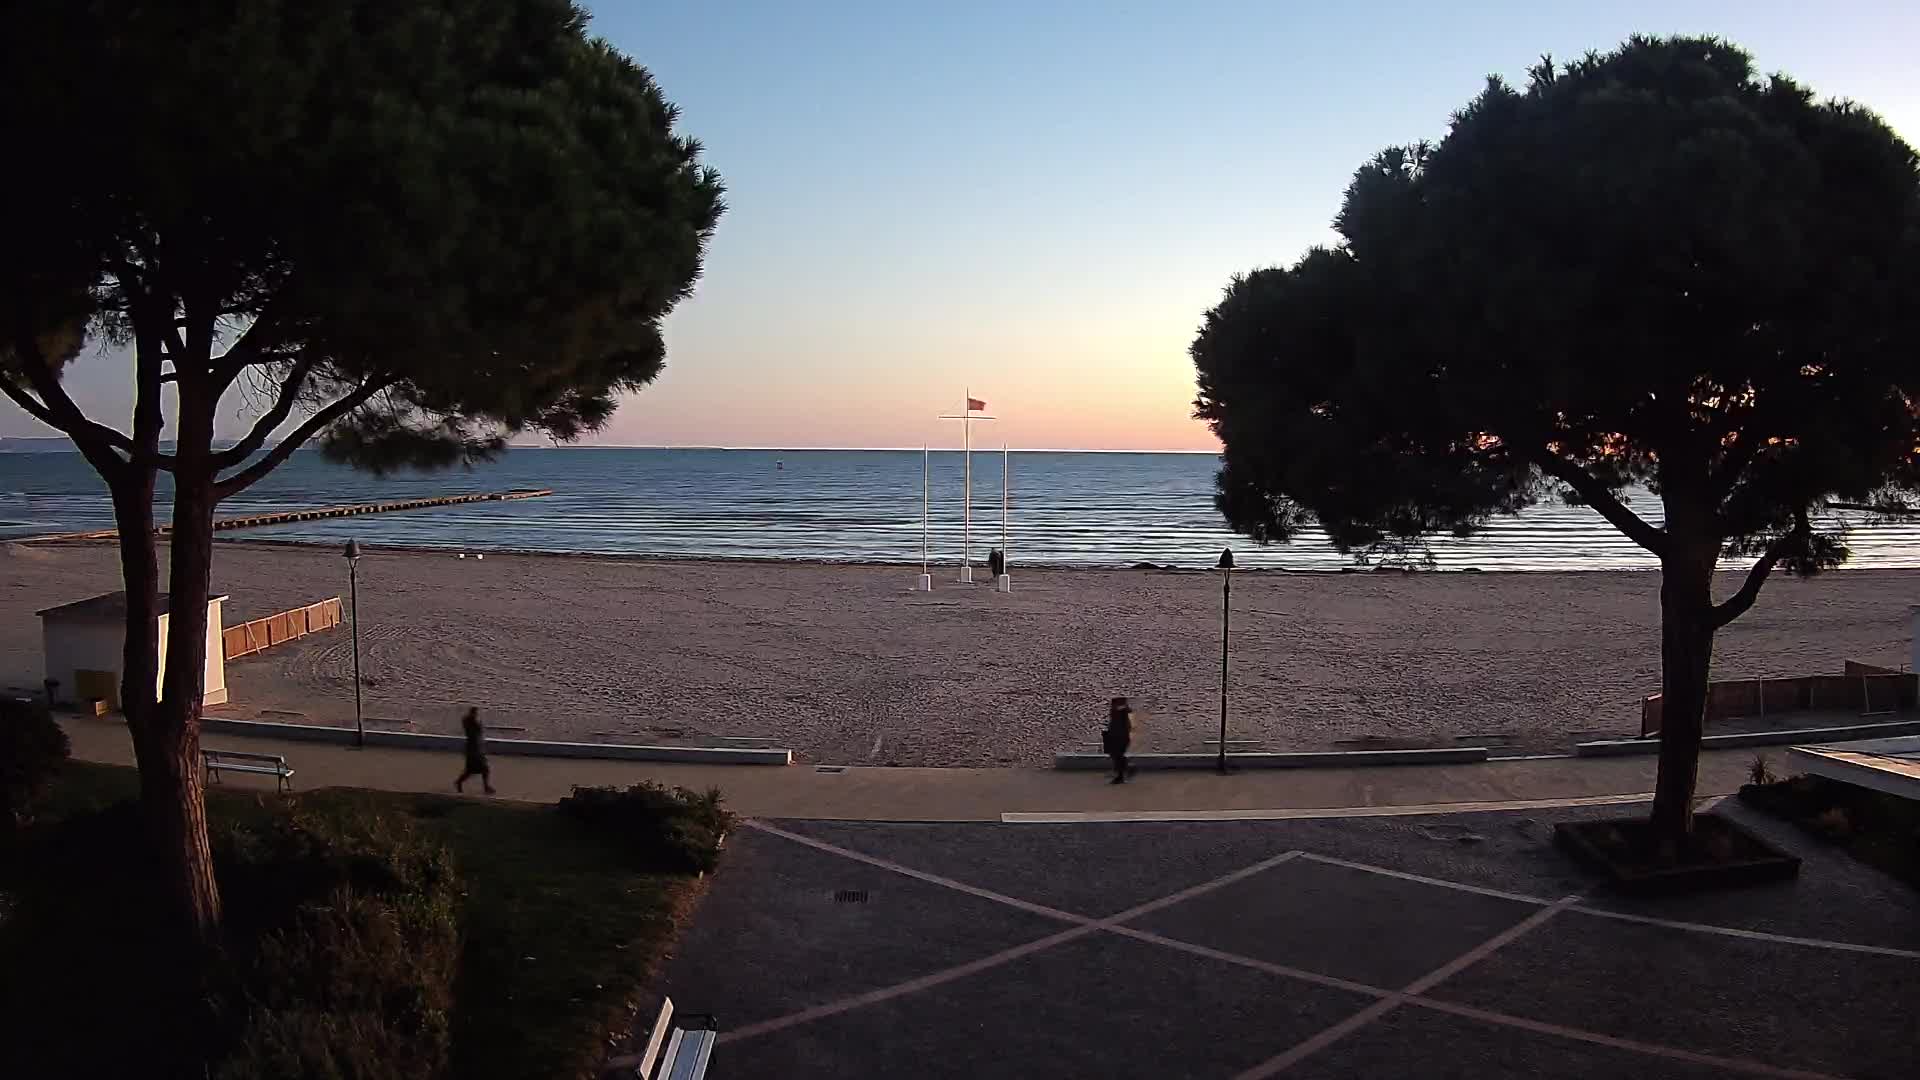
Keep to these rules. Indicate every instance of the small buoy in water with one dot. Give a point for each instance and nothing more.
(779, 465)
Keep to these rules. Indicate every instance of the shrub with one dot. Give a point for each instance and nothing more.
(1761, 771)
(352, 959)
(1833, 823)
(32, 746)
(667, 828)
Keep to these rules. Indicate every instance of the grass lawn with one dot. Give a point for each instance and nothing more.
(559, 930)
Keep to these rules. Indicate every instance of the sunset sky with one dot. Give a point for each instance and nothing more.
(1037, 202)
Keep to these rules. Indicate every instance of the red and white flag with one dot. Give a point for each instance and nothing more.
(976, 405)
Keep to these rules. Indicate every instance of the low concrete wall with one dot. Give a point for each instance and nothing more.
(690, 755)
(1619, 747)
(1451, 755)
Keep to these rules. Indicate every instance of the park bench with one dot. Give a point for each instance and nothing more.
(274, 765)
(686, 1051)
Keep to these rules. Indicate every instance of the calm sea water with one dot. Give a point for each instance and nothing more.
(1068, 509)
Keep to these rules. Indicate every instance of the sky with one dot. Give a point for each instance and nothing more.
(1037, 202)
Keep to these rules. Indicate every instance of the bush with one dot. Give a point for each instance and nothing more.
(32, 747)
(667, 828)
(353, 951)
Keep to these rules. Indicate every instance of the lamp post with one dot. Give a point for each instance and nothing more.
(1226, 616)
(353, 587)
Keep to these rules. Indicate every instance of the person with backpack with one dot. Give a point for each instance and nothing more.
(1117, 737)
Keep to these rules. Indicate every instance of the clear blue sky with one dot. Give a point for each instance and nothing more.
(1038, 200)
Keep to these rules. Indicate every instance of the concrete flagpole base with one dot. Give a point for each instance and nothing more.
(966, 575)
(1003, 583)
(925, 584)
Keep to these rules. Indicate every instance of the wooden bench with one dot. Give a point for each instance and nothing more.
(685, 1052)
(274, 765)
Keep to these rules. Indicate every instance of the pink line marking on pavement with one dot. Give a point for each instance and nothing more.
(920, 875)
(1388, 999)
(1311, 1046)
(1673, 1053)
(960, 971)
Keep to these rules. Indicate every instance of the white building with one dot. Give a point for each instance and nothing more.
(85, 641)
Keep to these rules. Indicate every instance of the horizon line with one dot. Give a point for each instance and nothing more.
(851, 449)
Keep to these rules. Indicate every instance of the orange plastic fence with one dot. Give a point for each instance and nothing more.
(252, 637)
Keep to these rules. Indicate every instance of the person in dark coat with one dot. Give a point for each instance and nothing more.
(1117, 737)
(476, 753)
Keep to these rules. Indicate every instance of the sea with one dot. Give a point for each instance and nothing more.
(1060, 509)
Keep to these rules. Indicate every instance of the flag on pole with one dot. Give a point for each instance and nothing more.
(976, 405)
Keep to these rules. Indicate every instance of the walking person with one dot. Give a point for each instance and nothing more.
(1117, 737)
(476, 753)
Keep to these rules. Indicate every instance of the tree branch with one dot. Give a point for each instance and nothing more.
(1597, 496)
(59, 410)
(1736, 605)
(252, 347)
(251, 475)
(268, 423)
(1737, 458)
(29, 403)
(108, 464)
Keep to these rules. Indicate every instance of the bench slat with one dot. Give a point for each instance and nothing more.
(688, 1057)
(660, 1025)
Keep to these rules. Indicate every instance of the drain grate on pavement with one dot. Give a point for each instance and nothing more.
(850, 896)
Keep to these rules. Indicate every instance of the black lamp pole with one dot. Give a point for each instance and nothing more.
(1226, 617)
(353, 586)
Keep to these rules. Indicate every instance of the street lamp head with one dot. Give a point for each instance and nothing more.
(1226, 558)
(353, 550)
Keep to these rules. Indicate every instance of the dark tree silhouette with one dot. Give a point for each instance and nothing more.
(410, 228)
(1649, 267)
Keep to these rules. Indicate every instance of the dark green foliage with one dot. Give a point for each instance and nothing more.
(1647, 266)
(557, 932)
(472, 206)
(1650, 266)
(358, 980)
(666, 828)
(32, 748)
(338, 958)
(410, 228)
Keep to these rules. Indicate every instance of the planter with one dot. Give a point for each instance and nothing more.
(1719, 855)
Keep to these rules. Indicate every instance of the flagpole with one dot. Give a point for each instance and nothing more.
(966, 443)
(966, 417)
(1005, 582)
(925, 583)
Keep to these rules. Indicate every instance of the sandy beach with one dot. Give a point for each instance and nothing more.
(847, 664)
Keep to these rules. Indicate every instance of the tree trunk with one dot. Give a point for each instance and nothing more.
(1686, 657)
(171, 780)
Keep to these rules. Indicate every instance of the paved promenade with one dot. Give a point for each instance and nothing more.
(890, 794)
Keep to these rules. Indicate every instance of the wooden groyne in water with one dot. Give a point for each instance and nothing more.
(285, 517)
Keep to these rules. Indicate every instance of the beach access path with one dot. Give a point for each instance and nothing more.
(950, 794)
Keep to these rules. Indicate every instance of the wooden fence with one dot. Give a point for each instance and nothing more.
(251, 637)
(1865, 688)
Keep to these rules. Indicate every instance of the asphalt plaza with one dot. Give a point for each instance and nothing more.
(1452, 945)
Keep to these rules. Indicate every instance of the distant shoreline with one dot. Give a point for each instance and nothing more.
(377, 547)
(13, 445)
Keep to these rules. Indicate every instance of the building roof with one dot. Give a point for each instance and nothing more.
(111, 605)
(1889, 765)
